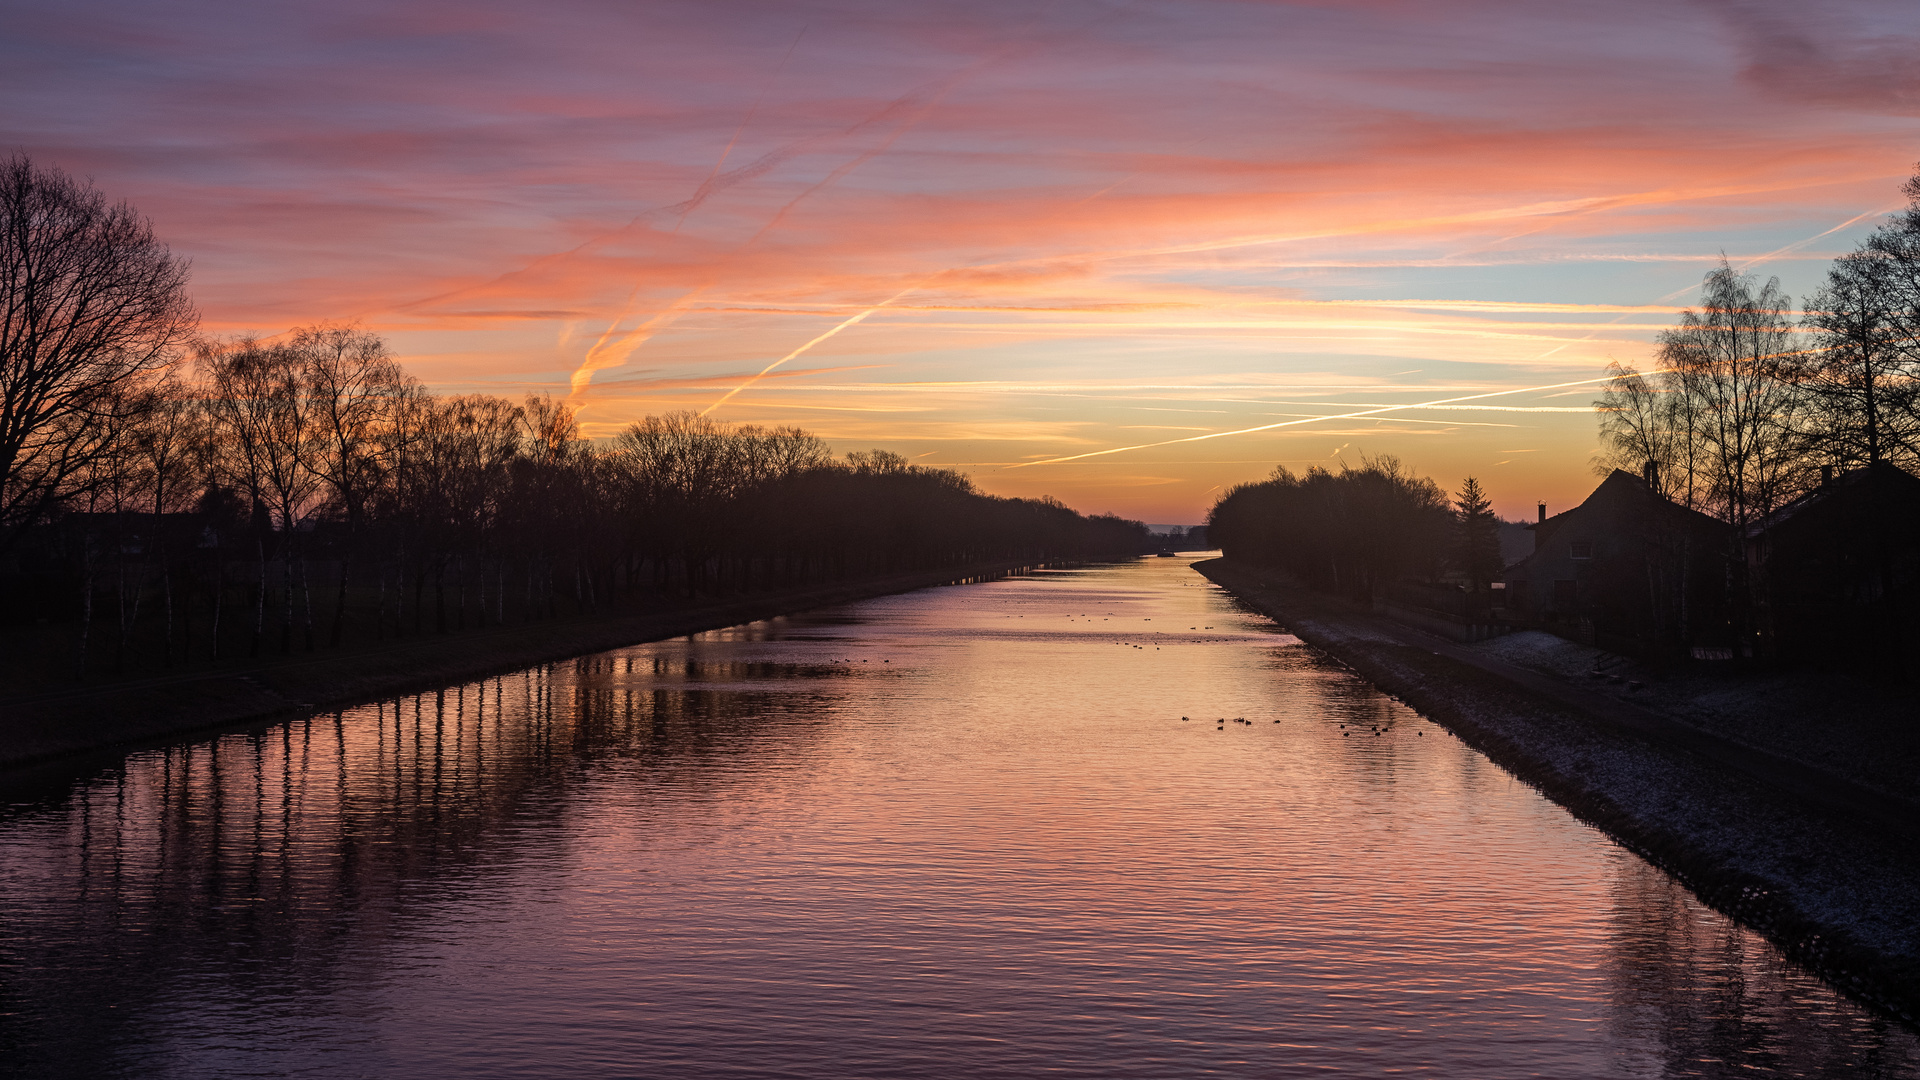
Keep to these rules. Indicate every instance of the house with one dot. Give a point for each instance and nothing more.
(1839, 567)
(1628, 570)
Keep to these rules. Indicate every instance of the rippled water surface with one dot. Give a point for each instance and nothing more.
(960, 832)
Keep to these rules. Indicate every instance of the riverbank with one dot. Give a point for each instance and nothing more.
(116, 717)
(1824, 864)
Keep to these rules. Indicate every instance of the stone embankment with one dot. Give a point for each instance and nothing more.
(117, 717)
(1822, 859)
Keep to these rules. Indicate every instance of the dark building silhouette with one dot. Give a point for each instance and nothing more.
(1839, 568)
(1628, 570)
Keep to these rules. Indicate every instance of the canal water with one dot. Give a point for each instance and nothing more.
(989, 830)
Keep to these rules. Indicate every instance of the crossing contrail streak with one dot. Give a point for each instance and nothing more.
(1313, 420)
(1797, 244)
(600, 355)
(1444, 401)
(724, 398)
(706, 187)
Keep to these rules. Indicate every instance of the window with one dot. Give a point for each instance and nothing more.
(1580, 549)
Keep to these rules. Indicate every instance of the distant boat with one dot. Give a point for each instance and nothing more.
(1166, 554)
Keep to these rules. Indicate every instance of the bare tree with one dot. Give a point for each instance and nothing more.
(468, 444)
(680, 469)
(553, 433)
(402, 444)
(107, 494)
(1734, 369)
(268, 439)
(91, 306)
(1861, 368)
(1896, 248)
(170, 445)
(1651, 428)
(352, 384)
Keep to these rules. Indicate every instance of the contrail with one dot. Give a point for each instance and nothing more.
(1313, 420)
(1777, 252)
(706, 187)
(601, 356)
(724, 398)
(715, 183)
(1449, 401)
(634, 339)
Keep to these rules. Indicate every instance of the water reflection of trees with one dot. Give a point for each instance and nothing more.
(1712, 999)
(278, 864)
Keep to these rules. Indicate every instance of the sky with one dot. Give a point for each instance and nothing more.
(1124, 254)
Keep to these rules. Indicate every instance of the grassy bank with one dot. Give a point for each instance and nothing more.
(118, 716)
(1826, 867)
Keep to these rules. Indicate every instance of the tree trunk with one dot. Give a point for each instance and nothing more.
(120, 609)
(166, 594)
(286, 615)
(380, 608)
(419, 600)
(259, 600)
(86, 621)
(219, 593)
(340, 598)
(306, 591)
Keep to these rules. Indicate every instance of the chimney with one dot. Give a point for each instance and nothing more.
(1651, 474)
(1543, 511)
(1826, 475)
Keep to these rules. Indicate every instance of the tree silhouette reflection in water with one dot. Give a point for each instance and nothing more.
(910, 835)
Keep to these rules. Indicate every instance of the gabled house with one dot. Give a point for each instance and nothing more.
(1628, 570)
(1839, 567)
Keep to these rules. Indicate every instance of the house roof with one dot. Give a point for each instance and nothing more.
(1620, 485)
(1620, 494)
(1904, 485)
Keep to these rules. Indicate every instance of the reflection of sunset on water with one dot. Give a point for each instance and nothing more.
(645, 208)
(963, 826)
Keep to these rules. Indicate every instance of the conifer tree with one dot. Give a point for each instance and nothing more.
(1477, 536)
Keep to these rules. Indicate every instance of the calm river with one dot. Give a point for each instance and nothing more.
(962, 832)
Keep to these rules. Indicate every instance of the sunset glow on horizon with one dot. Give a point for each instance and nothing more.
(1127, 255)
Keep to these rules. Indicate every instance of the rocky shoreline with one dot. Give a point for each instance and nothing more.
(1827, 870)
(52, 728)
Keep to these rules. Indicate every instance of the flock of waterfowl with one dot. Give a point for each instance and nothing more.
(1376, 730)
(1223, 722)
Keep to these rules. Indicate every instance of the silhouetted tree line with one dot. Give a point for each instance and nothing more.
(191, 498)
(1349, 532)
